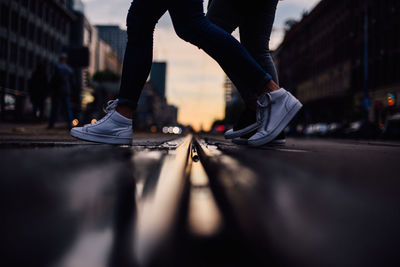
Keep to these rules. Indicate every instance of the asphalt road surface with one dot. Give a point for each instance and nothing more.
(198, 201)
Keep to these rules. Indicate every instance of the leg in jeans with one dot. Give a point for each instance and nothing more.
(192, 26)
(255, 23)
(255, 31)
(142, 17)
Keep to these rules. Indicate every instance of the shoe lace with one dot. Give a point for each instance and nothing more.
(262, 107)
(111, 105)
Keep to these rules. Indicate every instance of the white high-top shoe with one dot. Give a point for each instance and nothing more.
(274, 112)
(111, 129)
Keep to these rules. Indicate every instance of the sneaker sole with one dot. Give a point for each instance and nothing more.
(103, 139)
(285, 121)
(241, 132)
(243, 141)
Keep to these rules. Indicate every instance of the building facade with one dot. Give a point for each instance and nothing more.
(115, 37)
(322, 59)
(158, 77)
(234, 104)
(153, 110)
(107, 58)
(31, 31)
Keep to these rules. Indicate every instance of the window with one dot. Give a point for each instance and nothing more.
(2, 78)
(23, 29)
(12, 81)
(32, 6)
(13, 53)
(14, 21)
(21, 83)
(24, 3)
(31, 32)
(22, 56)
(5, 13)
(40, 9)
(39, 37)
(30, 60)
(3, 48)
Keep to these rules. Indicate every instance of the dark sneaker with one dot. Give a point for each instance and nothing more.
(279, 140)
(246, 124)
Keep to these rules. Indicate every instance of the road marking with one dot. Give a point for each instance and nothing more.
(291, 150)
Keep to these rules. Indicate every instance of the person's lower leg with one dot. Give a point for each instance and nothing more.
(237, 63)
(125, 111)
(142, 18)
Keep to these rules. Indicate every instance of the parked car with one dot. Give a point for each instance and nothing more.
(392, 127)
(361, 129)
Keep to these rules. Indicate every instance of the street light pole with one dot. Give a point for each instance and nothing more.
(367, 100)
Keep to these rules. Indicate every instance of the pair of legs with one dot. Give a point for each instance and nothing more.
(192, 26)
(60, 102)
(275, 107)
(255, 22)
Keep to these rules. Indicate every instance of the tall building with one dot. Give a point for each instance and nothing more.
(153, 110)
(115, 37)
(234, 104)
(31, 31)
(322, 59)
(76, 5)
(158, 77)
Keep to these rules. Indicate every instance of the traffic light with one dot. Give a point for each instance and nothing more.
(391, 99)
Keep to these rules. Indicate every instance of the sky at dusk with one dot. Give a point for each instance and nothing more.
(194, 80)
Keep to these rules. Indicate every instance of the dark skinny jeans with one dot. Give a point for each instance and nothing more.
(191, 25)
(254, 20)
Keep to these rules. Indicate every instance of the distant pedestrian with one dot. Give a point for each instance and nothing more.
(61, 85)
(38, 90)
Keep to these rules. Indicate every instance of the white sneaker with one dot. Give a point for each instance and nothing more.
(275, 111)
(245, 141)
(112, 129)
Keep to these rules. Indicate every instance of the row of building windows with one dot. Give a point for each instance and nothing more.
(19, 23)
(23, 57)
(39, 27)
(19, 54)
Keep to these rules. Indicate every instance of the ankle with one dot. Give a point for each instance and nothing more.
(125, 111)
(271, 86)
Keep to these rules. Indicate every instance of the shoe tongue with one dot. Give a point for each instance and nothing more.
(277, 94)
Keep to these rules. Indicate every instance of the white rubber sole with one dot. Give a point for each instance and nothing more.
(230, 134)
(103, 139)
(244, 141)
(284, 122)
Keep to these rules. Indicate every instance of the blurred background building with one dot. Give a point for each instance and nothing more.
(38, 31)
(342, 57)
(158, 76)
(115, 37)
(234, 104)
(153, 110)
(31, 32)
